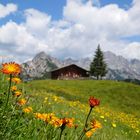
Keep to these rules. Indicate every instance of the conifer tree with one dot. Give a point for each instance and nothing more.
(98, 67)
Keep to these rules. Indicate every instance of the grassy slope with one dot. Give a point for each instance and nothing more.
(119, 104)
(120, 96)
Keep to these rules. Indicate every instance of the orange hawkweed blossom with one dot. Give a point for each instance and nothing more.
(16, 80)
(13, 88)
(93, 102)
(95, 124)
(50, 117)
(27, 110)
(68, 122)
(11, 68)
(56, 122)
(17, 93)
(90, 133)
(41, 116)
(22, 101)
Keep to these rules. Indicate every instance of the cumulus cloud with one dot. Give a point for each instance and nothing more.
(77, 34)
(132, 50)
(37, 22)
(6, 10)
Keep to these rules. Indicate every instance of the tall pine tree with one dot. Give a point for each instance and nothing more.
(98, 67)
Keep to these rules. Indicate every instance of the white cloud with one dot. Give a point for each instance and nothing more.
(37, 22)
(6, 10)
(77, 34)
(132, 50)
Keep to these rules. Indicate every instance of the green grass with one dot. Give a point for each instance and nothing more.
(120, 96)
(119, 105)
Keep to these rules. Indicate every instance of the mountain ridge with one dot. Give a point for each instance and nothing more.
(119, 68)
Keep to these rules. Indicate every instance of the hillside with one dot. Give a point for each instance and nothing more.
(116, 95)
(118, 111)
(36, 109)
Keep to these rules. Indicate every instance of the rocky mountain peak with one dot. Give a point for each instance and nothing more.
(39, 65)
(41, 56)
(118, 66)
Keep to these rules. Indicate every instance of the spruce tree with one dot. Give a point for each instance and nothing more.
(98, 67)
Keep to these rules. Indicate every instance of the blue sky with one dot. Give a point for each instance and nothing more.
(55, 7)
(52, 7)
(54, 26)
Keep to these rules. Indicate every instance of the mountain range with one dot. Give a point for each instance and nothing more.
(119, 68)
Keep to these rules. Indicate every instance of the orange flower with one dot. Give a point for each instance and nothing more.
(41, 116)
(13, 88)
(22, 101)
(16, 80)
(38, 115)
(11, 68)
(68, 122)
(27, 109)
(50, 117)
(17, 93)
(89, 133)
(56, 122)
(95, 124)
(93, 102)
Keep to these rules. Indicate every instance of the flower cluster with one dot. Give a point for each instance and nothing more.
(50, 118)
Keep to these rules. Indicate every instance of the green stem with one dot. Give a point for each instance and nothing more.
(87, 118)
(61, 133)
(82, 134)
(9, 89)
(85, 126)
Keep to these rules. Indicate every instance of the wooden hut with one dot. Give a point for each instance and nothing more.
(69, 72)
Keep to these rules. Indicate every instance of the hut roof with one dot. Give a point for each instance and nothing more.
(69, 66)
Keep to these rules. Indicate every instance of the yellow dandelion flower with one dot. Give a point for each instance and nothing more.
(22, 101)
(13, 88)
(11, 68)
(102, 117)
(27, 109)
(114, 125)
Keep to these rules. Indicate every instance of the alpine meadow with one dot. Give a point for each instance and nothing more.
(59, 109)
(70, 70)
